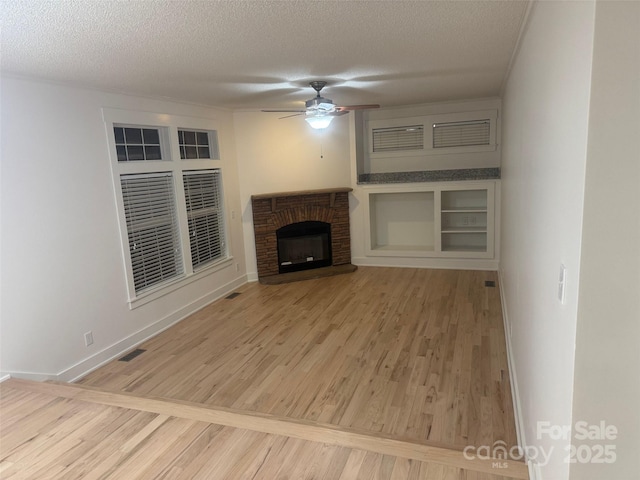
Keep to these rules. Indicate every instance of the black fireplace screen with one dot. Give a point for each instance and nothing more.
(304, 245)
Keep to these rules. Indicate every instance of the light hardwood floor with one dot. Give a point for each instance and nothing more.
(65, 432)
(383, 373)
(410, 352)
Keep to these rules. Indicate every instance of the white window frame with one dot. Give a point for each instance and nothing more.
(171, 163)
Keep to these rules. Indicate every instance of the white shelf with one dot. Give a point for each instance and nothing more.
(465, 248)
(466, 210)
(464, 229)
(404, 248)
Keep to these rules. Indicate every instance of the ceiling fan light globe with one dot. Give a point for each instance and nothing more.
(319, 121)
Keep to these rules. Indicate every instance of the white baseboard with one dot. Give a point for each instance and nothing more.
(515, 395)
(410, 262)
(35, 377)
(119, 348)
(534, 471)
(4, 377)
(80, 369)
(252, 276)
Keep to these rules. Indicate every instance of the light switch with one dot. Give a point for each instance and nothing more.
(562, 283)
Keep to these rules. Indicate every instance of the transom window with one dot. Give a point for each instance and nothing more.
(195, 144)
(137, 143)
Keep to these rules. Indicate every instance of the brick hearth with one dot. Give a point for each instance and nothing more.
(275, 210)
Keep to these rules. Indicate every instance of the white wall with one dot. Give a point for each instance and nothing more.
(283, 155)
(545, 121)
(607, 366)
(62, 268)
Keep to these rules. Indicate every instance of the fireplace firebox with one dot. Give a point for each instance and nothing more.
(303, 246)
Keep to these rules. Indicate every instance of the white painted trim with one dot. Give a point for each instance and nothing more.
(515, 395)
(35, 377)
(175, 284)
(252, 276)
(534, 470)
(411, 262)
(4, 377)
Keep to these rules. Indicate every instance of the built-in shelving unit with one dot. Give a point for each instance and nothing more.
(451, 220)
(464, 220)
(426, 182)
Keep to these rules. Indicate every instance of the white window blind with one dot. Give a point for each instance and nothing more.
(152, 228)
(397, 139)
(461, 134)
(203, 195)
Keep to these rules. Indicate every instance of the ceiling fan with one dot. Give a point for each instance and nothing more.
(319, 110)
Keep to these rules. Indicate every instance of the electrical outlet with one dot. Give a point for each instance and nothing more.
(472, 220)
(88, 339)
(465, 221)
(237, 267)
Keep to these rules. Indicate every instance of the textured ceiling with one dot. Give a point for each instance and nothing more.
(257, 54)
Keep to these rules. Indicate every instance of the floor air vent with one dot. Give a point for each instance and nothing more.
(232, 296)
(131, 355)
(489, 283)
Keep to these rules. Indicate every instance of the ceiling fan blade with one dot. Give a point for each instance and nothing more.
(357, 107)
(284, 111)
(289, 116)
(338, 113)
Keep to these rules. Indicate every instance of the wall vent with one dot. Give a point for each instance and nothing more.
(131, 355)
(461, 134)
(398, 139)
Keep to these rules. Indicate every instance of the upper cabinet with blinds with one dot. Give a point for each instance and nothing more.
(410, 143)
(432, 134)
(397, 139)
(462, 134)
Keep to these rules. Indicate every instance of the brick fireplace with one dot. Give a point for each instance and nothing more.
(273, 211)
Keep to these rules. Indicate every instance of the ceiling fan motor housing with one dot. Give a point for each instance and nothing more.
(320, 104)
